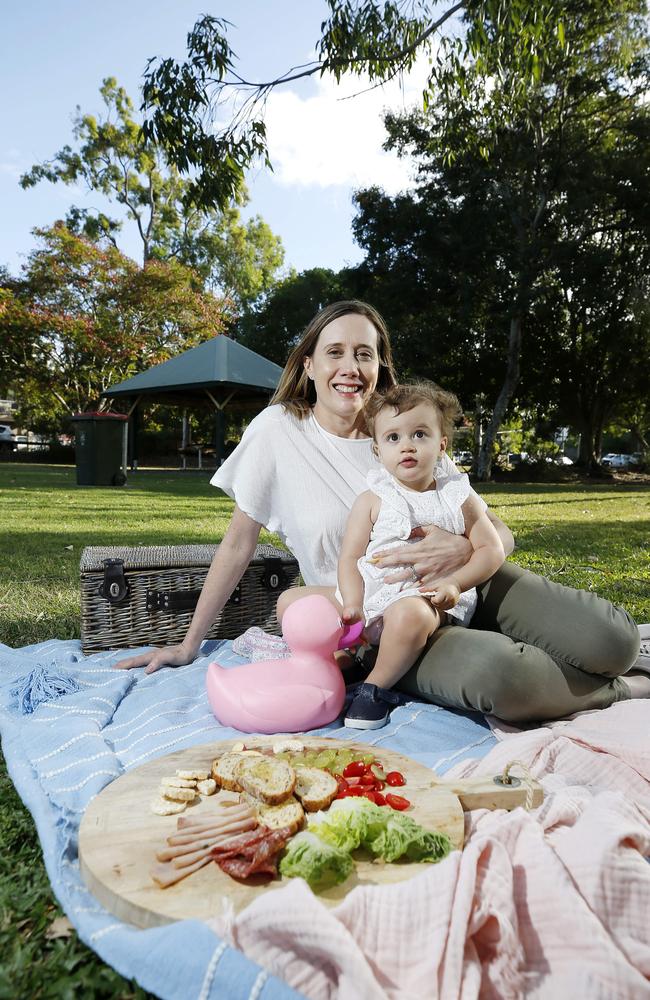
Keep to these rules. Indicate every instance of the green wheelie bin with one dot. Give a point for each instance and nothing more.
(98, 448)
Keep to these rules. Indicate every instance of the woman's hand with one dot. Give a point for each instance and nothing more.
(168, 656)
(226, 570)
(438, 554)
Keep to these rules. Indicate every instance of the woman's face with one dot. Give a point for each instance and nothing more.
(344, 368)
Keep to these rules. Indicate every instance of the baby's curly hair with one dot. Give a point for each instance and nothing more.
(408, 395)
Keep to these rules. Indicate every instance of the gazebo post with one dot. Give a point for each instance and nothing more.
(134, 423)
(219, 426)
(125, 438)
(219, 437)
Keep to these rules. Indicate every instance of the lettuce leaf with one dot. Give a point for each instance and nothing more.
(319, 863)
(357, 822)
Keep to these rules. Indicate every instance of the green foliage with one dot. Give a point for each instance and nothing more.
(273, 327)
(85, 317)
(524, 248)
(34, 965)
(523, 108)
(182, 118)
(114, 157)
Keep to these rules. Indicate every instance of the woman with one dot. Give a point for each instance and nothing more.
(535, 650)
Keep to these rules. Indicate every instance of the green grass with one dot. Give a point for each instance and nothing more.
(591, 536)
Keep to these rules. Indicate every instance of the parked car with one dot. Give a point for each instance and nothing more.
(463, 458)
(7, 441)
(614, 461)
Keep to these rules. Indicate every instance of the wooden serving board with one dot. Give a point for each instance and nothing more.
(119, 835)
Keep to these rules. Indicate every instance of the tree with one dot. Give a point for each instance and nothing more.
(84, 317)
(497, 169)
(509, 91)
(275, 325)
(236, 259)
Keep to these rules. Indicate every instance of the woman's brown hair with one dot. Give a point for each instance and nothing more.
(295, 390)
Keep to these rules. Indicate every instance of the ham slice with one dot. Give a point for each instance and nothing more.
(215, 830)
(166, 874)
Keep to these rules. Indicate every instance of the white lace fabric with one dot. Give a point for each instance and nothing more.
(402, 510)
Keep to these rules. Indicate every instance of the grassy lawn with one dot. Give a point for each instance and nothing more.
(592, 536)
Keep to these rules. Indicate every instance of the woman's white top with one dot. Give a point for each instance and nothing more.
(402, 510)
(299, 481)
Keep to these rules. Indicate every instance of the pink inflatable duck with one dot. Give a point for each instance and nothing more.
(302, 692)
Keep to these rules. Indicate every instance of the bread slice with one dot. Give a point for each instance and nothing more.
(315, 788)
(223, 768)
(165, 807)
(267, 778)
(288, 813)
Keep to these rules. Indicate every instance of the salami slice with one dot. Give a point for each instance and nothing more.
(258, 855)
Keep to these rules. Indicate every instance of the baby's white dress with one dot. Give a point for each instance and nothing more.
(402, 510)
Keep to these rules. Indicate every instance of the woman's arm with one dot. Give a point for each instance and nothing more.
(506, 537)
(355, 543)
(487, 550)
(230, 560)
(439, 553)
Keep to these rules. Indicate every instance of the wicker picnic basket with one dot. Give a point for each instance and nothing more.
(145, 596)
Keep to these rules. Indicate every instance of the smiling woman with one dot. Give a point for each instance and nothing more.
(301, 462)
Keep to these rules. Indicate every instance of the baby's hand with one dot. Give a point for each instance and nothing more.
(446, 594)
(351, 614)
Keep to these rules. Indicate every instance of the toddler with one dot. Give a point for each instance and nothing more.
(415, 485)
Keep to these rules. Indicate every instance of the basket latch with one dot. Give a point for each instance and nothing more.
(274, 577)
(114, 589)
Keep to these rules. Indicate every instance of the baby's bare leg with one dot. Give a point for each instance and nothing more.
(408, 625)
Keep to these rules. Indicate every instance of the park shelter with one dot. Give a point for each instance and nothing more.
(219, 373)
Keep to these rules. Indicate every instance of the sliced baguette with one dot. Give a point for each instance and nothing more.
(178, 794)
(268, 779)
(288, 813)
(315, 788)
(223, 768)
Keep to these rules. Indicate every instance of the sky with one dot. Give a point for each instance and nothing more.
(54, 55)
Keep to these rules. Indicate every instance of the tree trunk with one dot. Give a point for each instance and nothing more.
(639, 437)
(591, 437)
(507, 390)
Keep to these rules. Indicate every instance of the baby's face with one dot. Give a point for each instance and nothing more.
(410, 443)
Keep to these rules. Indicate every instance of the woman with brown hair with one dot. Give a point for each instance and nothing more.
(535, 649)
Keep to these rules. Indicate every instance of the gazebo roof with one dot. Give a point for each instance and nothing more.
(218, 365)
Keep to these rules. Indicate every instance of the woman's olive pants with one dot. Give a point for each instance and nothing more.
(535, 650)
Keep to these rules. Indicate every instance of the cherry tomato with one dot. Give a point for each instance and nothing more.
(395, 779)
(397, 802)
(379, 786)
(380, 800)
(354, 769)
(368, 779)
(368, 793)
(355, 790)
(353, 780)
(342, 783)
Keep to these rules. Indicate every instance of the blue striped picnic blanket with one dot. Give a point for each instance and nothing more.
(62, 754)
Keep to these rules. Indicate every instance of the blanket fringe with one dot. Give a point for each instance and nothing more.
(43, 683)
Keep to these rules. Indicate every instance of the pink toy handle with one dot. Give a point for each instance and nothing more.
(351, 635)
